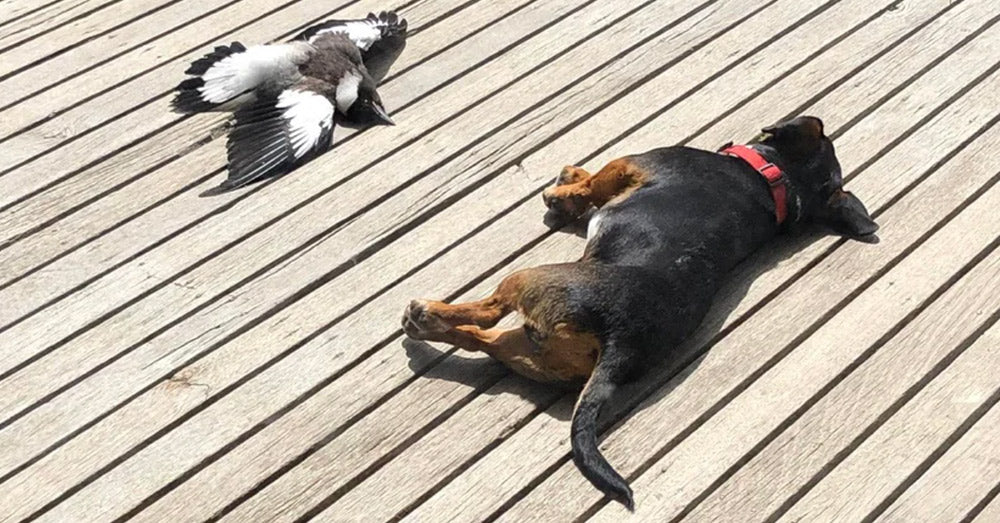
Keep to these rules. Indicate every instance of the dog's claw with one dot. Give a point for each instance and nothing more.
(419, 323)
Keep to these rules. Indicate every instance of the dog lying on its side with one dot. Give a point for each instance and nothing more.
(670, 224)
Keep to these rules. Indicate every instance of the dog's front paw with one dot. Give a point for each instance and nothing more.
(571, 174)
(420, 323)
(564, 203)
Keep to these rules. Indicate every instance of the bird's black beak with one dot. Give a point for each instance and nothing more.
(383, 116)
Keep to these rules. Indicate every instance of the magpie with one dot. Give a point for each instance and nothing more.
(287, 96)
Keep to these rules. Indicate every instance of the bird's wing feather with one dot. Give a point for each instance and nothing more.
(381, 38)
(277, 133)
(230, 71)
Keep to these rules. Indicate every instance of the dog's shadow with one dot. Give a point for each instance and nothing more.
(657, 383)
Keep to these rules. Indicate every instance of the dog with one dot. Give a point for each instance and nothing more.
(669, 225)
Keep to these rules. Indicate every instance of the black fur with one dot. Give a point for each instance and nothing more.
(648, 277)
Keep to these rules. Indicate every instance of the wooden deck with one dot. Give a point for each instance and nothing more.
(174, 357)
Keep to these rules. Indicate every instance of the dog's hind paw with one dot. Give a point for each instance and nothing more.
(420, 323)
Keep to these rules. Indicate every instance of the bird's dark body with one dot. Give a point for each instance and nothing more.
(334, 55)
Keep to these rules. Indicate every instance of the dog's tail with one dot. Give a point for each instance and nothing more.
(586, 454)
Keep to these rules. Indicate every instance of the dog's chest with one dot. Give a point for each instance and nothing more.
(593, 226)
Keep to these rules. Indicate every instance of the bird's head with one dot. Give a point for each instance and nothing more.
(367, 108)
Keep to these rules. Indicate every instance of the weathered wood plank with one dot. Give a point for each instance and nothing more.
(419, 73)
(124, 101)
(152, 355)
(276, 247)
(559, 491)
(13, 10)
(25, 84)
(990, 514)
(859, 483)
(472, 28)
(242, 260)
(16, 25)
(395, 486)
(514, 415)
(562, 492)
(337, 463)
(42, 287)
(85, 32)
(454, 383)
(562, 488)
(115, 209)
(969, 470)
(863, 398)
(675, 480)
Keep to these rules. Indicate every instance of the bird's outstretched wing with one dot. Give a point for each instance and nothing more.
(230, 71)
(381, 39)
(273, 135)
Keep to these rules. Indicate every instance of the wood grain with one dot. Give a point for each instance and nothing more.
(308, 404)
(86, 32)
(991, 514)
(235, 264)
(174, 19)
(673, 481)
(121, 207)
(156, 355)
(560, 494)
(383, 494)
(882, 461)
(794, 457)
(113, 106)
(21, 20)
(966, 473)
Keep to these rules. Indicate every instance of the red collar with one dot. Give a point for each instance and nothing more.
(772, 173)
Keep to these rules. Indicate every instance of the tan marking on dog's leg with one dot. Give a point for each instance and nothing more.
(616, 179)
(511, 347)
(423, 318)
(571, 174)
(567, 353)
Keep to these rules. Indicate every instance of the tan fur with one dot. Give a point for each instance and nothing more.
(547, 348)
(615, 181)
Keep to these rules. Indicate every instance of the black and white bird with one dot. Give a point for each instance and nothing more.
(286, 97)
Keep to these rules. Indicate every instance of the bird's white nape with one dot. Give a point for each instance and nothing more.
(347, 90)
(309, 116)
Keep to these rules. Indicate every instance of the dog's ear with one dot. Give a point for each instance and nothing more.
(801, 136)
(846, 215)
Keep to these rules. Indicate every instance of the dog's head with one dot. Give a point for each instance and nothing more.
(815, 178)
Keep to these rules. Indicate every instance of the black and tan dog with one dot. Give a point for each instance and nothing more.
(670, 224)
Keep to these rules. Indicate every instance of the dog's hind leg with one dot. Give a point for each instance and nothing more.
(549, 347)
(483, 313)
(513, 347)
